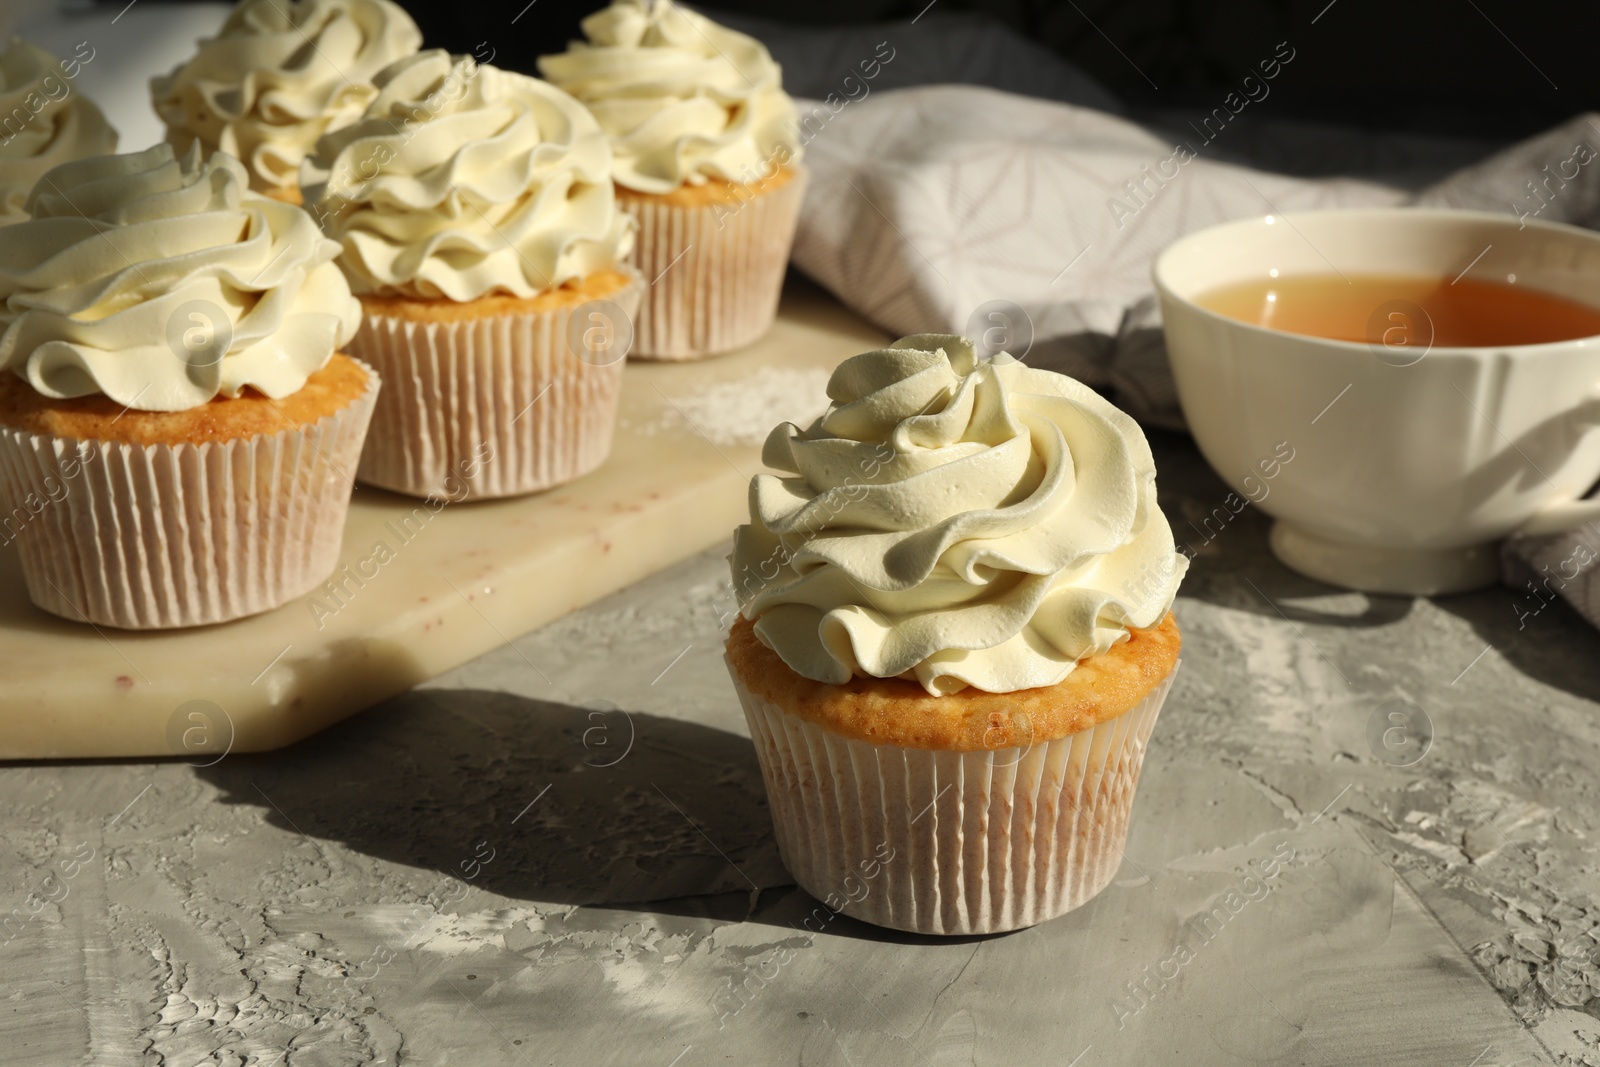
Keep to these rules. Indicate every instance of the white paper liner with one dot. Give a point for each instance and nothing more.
(715, 270)
(487, 407)
(937, 842)
(148, 537)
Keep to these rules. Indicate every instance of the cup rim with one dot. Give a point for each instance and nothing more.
(1290, 217)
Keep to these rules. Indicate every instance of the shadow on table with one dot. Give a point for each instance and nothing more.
(1555, 645)
(532, 800)
(792, 907)
(1235, 568)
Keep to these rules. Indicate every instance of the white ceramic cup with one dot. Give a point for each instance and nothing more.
(1409, 461)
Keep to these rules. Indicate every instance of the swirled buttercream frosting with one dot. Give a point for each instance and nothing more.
(44, 122)
(163, 282)
(954, 521)
(682, 98)
(279, 75)
(464, 180)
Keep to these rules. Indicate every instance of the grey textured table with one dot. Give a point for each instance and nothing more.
(561, 854)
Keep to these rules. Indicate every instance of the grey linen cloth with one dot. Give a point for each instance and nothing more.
(1032, 225)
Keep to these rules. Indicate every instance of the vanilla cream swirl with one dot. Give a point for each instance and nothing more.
(279, 75)
(682, 98)
(44, 121)
(162, 283)
(954, 521)
(465, 180)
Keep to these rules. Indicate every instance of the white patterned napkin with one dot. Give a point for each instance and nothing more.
(1033, 225)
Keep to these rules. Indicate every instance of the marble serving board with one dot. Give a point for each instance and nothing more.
(445, 588)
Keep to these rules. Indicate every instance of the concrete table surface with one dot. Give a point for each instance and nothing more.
(1365, 834)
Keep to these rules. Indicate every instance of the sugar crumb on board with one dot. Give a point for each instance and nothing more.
(743, 411)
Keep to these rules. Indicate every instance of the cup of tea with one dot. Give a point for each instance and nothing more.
(1398, 388)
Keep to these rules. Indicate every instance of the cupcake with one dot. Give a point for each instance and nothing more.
(178, 437)
(44, 121)
(707, 153)
(477, 223)
(955, 635)
(279, 75)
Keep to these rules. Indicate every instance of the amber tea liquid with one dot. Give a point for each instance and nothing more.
(1371, 307)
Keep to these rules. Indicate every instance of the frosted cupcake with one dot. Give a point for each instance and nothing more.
(955, 637)
(278, 75)
(477, 223)
(707, 154)
(44, 121)
(178, 438)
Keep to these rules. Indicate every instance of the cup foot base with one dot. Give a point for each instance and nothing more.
(1371, 569)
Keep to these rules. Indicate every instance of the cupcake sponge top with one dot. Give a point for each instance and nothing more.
(97, 417)
(892, 711)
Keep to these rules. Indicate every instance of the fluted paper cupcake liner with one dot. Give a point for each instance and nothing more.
(940, 842)
(148, 537)
(715, 271)
(487, 407)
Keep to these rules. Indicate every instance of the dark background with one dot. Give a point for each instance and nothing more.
(1401, 91)
(1440, 66)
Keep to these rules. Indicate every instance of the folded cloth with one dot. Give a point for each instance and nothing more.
(1542, 568)
(1032, 225)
